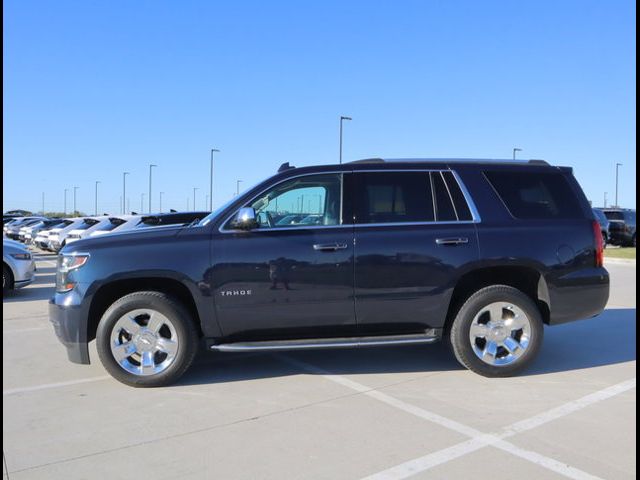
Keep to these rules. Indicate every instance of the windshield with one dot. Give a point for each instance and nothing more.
(612, 215)
(213, 215)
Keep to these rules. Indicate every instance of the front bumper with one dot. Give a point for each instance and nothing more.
(579, 295)
(69, 318)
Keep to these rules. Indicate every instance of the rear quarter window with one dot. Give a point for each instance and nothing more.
(535, 195)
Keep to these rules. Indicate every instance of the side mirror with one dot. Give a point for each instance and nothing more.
(245, 219)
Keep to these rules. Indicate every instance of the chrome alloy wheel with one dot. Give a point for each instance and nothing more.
(500, 333)
(144, 342)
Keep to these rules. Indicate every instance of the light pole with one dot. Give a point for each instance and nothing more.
(161, 193)
(341, 120)
(514, 152)
(65, 200)
(617, 166)
(150, 167)
(238, 187)
(124, 191)
(142, 203)
(96, 210)
(213, 150)
(194, 197)
(74, 200)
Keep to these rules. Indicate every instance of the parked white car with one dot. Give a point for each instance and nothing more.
(42, 238)
(85, 228)
(113, 224)
(58, 236)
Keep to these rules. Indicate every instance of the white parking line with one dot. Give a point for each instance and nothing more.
(477, 439)
(47, 386)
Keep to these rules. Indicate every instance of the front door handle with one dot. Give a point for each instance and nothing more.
(329, 247)
(452, 241)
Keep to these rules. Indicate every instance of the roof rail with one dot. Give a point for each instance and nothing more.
(368, 160)
(284, 167)
(538, 162)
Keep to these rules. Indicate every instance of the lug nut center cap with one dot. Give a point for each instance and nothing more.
(145, 341)
(498, 333)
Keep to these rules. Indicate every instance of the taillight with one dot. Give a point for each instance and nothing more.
(599, 241)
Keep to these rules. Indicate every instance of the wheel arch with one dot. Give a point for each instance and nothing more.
(525, 278)
(106, 294)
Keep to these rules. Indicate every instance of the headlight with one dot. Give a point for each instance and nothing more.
(66, 266)
(21, 256)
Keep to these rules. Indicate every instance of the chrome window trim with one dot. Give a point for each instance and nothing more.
(453, 204)
(433, 197)
(475, 215)
(467, 196)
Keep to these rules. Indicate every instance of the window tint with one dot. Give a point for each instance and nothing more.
(445, 210)
(301, 202)
(462, 209)
(531, 195)
(393, 197)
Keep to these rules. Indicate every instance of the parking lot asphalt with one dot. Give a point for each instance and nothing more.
(384, 413)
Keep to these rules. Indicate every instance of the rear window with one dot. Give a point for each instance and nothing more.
(535, 195)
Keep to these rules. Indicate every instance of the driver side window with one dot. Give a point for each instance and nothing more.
(312, 200)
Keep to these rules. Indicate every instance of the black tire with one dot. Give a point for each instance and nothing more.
(7, 278)
(170, 308)
(605, 240)
(459, 333)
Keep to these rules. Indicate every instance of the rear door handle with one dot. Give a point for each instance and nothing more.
(452, 241)
(329, 247)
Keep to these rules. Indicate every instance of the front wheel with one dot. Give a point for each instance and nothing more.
(146, 339)
(497, 332)
(7, 279)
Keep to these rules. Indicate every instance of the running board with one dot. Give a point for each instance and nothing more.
(318, 343)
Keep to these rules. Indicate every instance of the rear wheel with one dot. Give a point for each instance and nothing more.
(497, 332)
(146, 339)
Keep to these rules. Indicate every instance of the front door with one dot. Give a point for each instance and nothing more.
(292, 276)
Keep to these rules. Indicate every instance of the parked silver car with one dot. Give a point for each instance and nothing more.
(18, 267)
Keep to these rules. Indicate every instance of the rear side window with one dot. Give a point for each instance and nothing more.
(394, 197)
(535, 195)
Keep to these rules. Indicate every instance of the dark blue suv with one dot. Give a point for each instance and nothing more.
(480, 254)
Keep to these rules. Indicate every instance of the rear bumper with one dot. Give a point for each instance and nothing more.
(579, 295)
(69, 319)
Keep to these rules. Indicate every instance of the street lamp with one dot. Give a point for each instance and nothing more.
(617, 165)
(161, 193)
(150, 167)
(194, 197)
(341, 119)
(514, 152)
(238, 187)
(96, 210)
(65, 200)
(74, 200)
(124, 191)
(213, 150)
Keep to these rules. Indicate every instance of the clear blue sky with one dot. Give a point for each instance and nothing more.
(93, 88)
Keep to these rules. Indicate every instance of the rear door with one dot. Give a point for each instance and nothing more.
(414, 233)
